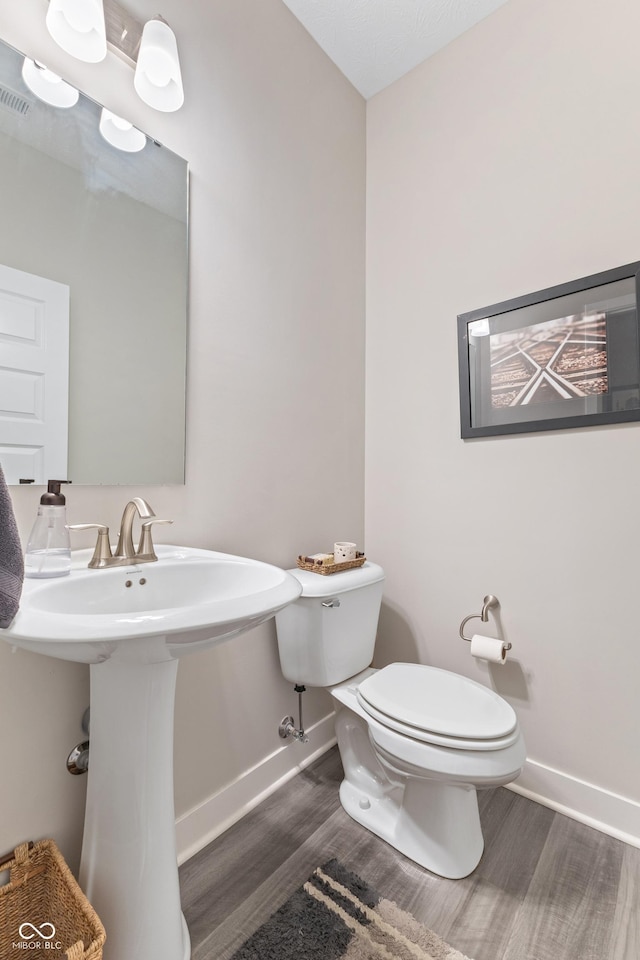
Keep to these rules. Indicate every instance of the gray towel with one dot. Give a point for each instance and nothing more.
(11, 560)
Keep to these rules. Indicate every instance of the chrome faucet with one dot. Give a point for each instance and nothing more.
(126, 553)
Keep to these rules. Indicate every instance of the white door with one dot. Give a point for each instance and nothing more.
(34, 377)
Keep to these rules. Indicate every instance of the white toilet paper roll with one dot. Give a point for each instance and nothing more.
(488, 648)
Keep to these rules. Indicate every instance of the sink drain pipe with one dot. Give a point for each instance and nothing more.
(78, 759)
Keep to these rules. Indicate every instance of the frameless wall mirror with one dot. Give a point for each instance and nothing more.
(93, 295)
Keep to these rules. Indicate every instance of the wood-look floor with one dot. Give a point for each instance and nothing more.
(547, 887)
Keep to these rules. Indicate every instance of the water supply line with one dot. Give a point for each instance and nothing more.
(287, 728)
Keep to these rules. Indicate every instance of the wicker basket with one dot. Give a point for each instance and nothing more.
(325, 567)
(42, 904)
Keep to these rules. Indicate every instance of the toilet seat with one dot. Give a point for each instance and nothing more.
(439, 707)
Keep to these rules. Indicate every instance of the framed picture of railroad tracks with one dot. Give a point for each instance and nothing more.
(561, 358)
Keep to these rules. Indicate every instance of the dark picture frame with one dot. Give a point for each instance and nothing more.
(564, 357)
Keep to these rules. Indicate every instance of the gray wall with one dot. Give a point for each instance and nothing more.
(275, 139)
(506, 164)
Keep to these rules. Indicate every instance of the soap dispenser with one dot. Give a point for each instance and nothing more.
(48, 551)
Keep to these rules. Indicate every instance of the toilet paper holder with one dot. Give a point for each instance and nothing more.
(488, 602)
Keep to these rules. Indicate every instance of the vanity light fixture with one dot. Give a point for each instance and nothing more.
(48, 86)
(120, 133)
(83, 28)
(78, 26)
(158, 79)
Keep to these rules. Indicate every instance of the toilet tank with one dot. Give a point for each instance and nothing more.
(328, 634)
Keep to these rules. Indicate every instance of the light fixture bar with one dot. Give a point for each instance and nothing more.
(124, 32)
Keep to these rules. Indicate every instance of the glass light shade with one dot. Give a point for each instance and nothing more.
(78, 27)
(479, 328)
(48, 86)
(120, 133)
(158, 79)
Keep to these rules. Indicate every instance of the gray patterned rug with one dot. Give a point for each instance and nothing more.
(337, 916)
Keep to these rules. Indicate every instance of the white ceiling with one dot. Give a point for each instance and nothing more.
(374, 42)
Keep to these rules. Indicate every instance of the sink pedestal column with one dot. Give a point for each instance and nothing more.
(129, 867)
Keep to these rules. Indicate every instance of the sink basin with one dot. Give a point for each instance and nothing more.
(187, 601)
(132, 625)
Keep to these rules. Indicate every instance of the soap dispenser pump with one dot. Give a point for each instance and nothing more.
(48, 551)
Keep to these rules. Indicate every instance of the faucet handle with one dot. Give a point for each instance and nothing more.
(145, 547)
(102, 552)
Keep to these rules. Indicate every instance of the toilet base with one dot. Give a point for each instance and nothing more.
(435, 824)
(418, 797)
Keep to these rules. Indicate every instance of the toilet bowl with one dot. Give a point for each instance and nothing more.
(415, 741)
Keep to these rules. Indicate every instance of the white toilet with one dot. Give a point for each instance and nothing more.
(415, 741)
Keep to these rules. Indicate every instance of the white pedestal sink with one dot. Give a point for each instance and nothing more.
(132, 624)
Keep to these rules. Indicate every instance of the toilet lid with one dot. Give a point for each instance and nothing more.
(438, 702)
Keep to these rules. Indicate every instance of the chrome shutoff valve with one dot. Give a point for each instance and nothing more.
(287, 729)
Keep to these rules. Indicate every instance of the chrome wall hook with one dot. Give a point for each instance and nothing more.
(488, 602)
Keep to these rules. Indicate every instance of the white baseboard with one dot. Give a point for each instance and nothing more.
(199, 826)
(601, 809)
(594, 806)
